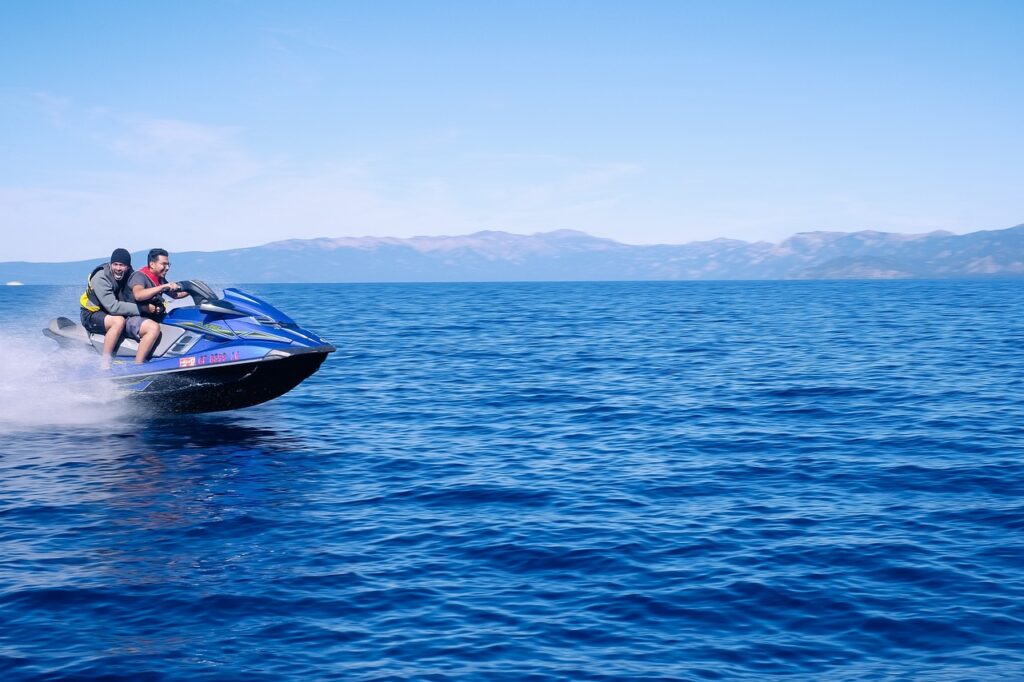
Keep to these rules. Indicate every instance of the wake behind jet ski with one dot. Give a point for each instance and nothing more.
(217, 354)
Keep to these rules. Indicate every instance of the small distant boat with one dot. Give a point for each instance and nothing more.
(15, 283)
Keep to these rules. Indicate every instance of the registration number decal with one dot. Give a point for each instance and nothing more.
(209, 359)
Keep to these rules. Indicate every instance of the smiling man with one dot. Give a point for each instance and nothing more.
(105, 304)
(148, 286)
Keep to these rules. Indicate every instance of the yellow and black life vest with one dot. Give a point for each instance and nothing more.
(89, 299)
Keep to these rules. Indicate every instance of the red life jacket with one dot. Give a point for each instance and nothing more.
(151, 276)
(157, 300)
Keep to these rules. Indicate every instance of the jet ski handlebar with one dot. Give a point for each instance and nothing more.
(201, 292)
(208, 301)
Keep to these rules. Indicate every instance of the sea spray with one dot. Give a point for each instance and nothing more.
(42, 386)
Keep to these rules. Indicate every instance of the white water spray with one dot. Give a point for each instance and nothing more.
(42, 387)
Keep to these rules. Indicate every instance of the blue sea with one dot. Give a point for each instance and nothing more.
(539, 481)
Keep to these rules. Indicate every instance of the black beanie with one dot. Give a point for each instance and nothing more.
(121, 256)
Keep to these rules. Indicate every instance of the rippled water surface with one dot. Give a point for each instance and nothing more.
(539, 482)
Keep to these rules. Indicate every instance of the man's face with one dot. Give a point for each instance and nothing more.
(160, 266)
(118, 269)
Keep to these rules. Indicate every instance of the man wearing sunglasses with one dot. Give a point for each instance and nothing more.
(148, 286)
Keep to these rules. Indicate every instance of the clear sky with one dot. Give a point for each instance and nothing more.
(202, 125)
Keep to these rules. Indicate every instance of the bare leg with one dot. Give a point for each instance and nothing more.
(149, 334)
(114, 325)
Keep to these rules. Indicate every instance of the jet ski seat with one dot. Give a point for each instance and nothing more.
(66, 332)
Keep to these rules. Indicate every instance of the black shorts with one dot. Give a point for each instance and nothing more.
(94, 321)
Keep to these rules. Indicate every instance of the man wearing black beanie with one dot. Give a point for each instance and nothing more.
(121, 256)
(105, 304)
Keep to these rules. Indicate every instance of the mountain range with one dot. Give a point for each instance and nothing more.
(571, 255)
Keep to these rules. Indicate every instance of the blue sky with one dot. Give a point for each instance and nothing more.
(218, 124)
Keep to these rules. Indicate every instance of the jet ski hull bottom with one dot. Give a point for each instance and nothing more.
(221, 387)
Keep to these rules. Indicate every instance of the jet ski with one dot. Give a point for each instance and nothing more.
(220, 353)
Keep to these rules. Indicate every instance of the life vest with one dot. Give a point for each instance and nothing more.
(157, 281)
(158, 300)
(89, 300)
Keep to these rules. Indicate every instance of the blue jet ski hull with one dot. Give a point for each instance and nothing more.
(217, 388)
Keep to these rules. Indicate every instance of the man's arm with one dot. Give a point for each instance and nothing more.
(142, 293)
(105, 295)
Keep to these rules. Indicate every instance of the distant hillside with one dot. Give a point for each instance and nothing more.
(571, 255)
